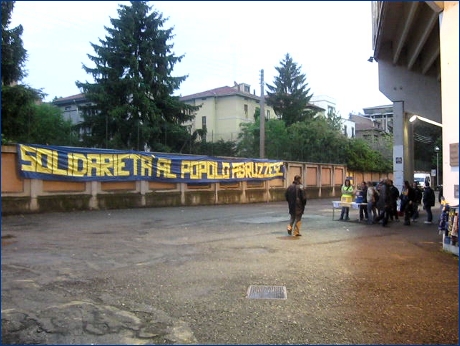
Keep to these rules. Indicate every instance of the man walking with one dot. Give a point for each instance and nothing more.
(297, 199)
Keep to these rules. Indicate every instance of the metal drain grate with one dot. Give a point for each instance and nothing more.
(266, 292)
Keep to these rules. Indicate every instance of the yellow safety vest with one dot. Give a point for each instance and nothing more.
(347, 191)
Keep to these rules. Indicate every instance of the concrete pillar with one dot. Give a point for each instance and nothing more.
(143, 188)
(403, 146)
(244, 186)
(182, 187)
(93, 200)
(319, 174)
(267, 190)
(35, 188)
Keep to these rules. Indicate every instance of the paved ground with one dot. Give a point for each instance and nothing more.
(181, 276)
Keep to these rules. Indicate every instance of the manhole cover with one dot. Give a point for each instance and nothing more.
(267, 292)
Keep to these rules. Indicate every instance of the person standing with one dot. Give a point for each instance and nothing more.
(296, 197)
(394, 192)
(418, 193)
(371, 192)
(347, 191)
(440, 195)
(363, 214)
(383, 204)
(428, 202)
(408, 197)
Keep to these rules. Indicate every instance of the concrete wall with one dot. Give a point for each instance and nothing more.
(421, 93)
(32, 195)
(450, 100)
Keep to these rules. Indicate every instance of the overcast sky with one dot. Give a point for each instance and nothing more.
(223, 42)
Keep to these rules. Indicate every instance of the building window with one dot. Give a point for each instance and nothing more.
(352, 132)
(246, 88)
(345, 130)
(68, 108)
(268, 114)
(246, 111)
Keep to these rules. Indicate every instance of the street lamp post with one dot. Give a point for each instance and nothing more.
(436, 149)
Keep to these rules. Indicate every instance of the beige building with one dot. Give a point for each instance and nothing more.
(416, 47)
(224, 109)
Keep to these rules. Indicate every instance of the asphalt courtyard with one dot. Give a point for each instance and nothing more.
(205, 275)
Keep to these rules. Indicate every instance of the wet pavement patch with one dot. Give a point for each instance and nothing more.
(266, 292)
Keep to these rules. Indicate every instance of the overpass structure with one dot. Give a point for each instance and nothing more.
(416, 47)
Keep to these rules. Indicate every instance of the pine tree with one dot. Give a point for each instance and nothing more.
(14, 55)
(18, 101)
(334, 119)
(289, 96)
(132, 102)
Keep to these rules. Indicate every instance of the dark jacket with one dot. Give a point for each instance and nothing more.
(394, 193)
(363, 194)
(297, 199)
(407, 194)
(384, 198)
(428, 197)
(418, 195)
(411, 195)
